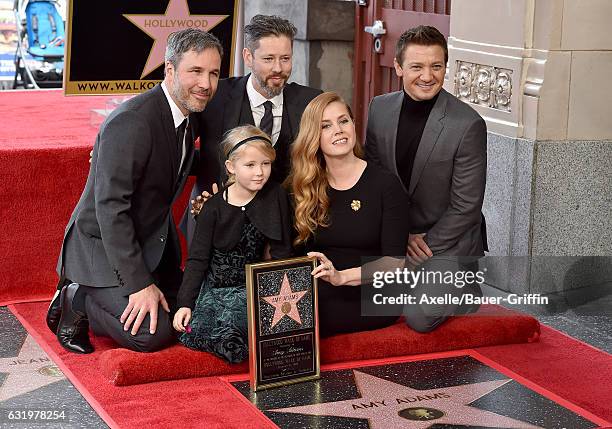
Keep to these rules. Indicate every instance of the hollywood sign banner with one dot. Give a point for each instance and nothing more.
(118, 46)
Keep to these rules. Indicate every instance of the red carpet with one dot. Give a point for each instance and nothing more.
(169, 404)
(491, 326)
(44, 152)
(574, 371)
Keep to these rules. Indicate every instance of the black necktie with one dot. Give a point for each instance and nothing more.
(180, 136)
(266, 122)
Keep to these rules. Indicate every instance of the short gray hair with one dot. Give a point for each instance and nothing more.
(189, 39)
(267, 25)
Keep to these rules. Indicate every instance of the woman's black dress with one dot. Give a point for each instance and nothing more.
(367, 220)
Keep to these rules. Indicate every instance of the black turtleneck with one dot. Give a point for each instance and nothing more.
(413, 117)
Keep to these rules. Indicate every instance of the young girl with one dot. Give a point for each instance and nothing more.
(345, 209)
(232, 230)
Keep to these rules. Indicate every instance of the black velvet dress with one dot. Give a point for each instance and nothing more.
(367, 220)
(226, 239)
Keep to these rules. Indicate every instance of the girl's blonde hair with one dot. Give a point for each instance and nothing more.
(307, 180)
(235, 136)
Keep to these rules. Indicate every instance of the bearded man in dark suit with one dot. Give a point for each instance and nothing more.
(120, 259)
(263, 98)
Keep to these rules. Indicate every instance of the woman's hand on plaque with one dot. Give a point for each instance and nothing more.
(326, 270)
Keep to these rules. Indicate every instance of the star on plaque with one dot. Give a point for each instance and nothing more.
(390, 405)
(159, 27)
(285, 303)
(30, 370)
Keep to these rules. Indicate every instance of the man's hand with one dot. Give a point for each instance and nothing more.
(181, 319)
(141, 303)
(417, 251)
(198, 203)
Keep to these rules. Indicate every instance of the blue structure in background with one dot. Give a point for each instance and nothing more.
(39, 60)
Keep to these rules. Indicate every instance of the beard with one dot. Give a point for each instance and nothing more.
(271, 91)
(181, 95)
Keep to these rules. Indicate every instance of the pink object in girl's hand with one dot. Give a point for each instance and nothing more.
(188, 329)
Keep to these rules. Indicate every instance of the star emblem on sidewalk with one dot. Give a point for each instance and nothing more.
(285, 303)
(28, 371)
(159, 27)
(386, 405)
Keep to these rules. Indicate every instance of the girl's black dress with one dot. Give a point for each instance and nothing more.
(227, 238)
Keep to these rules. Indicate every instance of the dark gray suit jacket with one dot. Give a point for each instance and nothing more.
(449, 172)
(123, 221)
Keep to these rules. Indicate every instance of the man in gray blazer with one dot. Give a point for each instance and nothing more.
(436, 145)
(120, 259)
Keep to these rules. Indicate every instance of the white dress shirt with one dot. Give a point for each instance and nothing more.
(178, 118)
(257, 100)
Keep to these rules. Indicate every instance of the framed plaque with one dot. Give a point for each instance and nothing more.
(283, 322)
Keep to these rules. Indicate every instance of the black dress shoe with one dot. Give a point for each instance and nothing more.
(73, 328)
(55, 312)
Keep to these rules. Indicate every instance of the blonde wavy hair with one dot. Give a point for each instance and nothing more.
(307, 181)
(235, 136)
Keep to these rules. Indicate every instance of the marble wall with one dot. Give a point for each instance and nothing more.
(538, 72)
(507, 204)
(552, 61)
(572, 209)
(548, 208)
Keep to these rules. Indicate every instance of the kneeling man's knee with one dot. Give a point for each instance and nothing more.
(146, 342)
(423, 323)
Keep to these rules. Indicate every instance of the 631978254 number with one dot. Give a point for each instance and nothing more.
(31, 415)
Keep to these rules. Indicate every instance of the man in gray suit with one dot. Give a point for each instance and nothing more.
(436, 145)
(120, 259)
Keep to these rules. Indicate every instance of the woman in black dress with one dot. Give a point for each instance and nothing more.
(345, 210)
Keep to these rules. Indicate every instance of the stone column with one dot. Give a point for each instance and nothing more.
(539, 73)
(323, 47)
